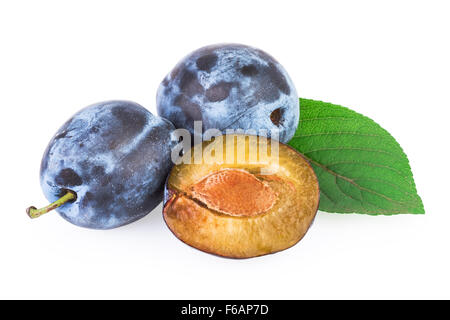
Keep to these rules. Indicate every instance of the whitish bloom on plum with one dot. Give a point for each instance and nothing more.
(230, 86)
(115, 155)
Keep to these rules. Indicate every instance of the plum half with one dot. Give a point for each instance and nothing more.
(244, 204)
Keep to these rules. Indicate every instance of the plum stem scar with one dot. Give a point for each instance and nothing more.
(69, 196)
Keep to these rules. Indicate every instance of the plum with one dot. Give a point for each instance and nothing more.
(230, 86)
(233, 208)
(106, 166)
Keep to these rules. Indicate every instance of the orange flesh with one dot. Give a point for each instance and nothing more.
(231, 210)
(234, 192)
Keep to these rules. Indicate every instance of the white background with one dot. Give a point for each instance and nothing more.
(386, 59)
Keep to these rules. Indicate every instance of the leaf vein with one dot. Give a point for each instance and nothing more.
(345, 193)
(355, 184)
(327, 118)
(355, 149)
(341, 133)
(370, 164)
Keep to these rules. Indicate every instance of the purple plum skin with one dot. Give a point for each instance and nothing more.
(115, 155)
(230, 86)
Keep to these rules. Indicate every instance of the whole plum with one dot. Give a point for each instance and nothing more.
(114, 157)
(230, 86)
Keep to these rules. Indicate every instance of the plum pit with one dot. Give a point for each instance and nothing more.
(235, 192)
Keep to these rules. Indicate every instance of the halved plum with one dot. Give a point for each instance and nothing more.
(244, 204)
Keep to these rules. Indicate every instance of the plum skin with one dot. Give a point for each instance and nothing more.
(115, 155)
(230, 86)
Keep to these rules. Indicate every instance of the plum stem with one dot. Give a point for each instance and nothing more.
(69, 196)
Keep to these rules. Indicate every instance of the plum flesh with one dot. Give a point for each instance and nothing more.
(231, 209)
(230, 86)
(115, 156)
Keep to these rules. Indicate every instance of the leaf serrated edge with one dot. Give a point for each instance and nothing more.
(418, 204)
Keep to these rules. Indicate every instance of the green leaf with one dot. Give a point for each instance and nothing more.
(360, 166)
